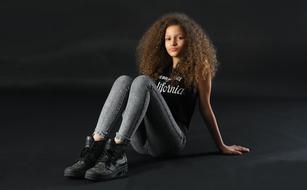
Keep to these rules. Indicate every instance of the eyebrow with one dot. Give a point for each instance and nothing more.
(180, 34)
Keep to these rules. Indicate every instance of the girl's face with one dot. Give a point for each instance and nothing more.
(174, 40)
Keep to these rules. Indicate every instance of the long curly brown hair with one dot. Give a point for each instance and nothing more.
(199, 54)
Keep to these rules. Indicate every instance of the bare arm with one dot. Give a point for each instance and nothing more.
(204, 92)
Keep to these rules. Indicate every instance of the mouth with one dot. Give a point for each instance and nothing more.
(173, 49)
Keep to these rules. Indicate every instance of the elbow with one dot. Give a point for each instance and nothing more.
(205, 109)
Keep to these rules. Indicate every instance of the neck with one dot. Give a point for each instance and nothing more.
(175, 61)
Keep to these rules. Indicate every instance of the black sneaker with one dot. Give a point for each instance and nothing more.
(87, 159)
(112, 163)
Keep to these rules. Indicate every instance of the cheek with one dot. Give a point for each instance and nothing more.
(182, 44)
(167, 48)
(167, 44)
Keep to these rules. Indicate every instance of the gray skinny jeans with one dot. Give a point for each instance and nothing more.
(146, 120)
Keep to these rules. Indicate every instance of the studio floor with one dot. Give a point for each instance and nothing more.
(43, 132)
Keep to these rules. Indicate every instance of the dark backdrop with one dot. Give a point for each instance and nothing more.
(84, 45)
(58, 60)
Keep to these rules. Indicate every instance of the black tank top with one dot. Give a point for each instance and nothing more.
(179, 99)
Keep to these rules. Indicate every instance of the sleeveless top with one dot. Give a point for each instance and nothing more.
(179, 99)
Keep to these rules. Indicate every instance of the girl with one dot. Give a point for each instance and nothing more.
(177, 63)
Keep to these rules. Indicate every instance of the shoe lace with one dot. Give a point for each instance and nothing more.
(108, 157)
(105, 156)
(84, 151)
(83, 155)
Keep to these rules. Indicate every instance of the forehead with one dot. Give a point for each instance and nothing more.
(173, 29)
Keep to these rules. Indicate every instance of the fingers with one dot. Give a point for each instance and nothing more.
(236, 149)
(237, 152)
(241, 148)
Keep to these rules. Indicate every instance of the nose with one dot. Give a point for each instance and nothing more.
(174, 42)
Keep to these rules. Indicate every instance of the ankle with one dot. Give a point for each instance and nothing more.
(98, 137)
(117, 141)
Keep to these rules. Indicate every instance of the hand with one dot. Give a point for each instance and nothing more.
(233, 149)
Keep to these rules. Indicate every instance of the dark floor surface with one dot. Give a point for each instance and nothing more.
(41, 133)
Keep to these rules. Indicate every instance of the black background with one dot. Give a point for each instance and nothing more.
(58, 60)
(82, 45)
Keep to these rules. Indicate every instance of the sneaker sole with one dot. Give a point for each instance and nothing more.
(73, 175)
(121, 172)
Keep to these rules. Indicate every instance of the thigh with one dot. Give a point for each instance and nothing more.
(163, 134)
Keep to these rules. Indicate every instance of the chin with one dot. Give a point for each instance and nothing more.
(173, 54)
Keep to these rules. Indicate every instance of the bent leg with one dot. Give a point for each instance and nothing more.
(114, 105)
(163, 134)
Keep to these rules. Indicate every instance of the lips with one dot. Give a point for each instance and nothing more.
(174, 49)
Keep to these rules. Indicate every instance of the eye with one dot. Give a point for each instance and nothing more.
(167, 38)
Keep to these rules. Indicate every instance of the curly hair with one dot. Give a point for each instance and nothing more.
(199, 55)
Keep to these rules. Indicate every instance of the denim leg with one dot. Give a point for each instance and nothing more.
(138, 100)
(162, 132)
(114, 105)
(139, 140)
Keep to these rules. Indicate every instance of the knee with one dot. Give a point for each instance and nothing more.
(124, 79)
(141, 80)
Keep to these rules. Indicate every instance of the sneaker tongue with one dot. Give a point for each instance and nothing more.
(109, 143)
(88, 141)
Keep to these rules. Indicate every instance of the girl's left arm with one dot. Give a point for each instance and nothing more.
(204, 94)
